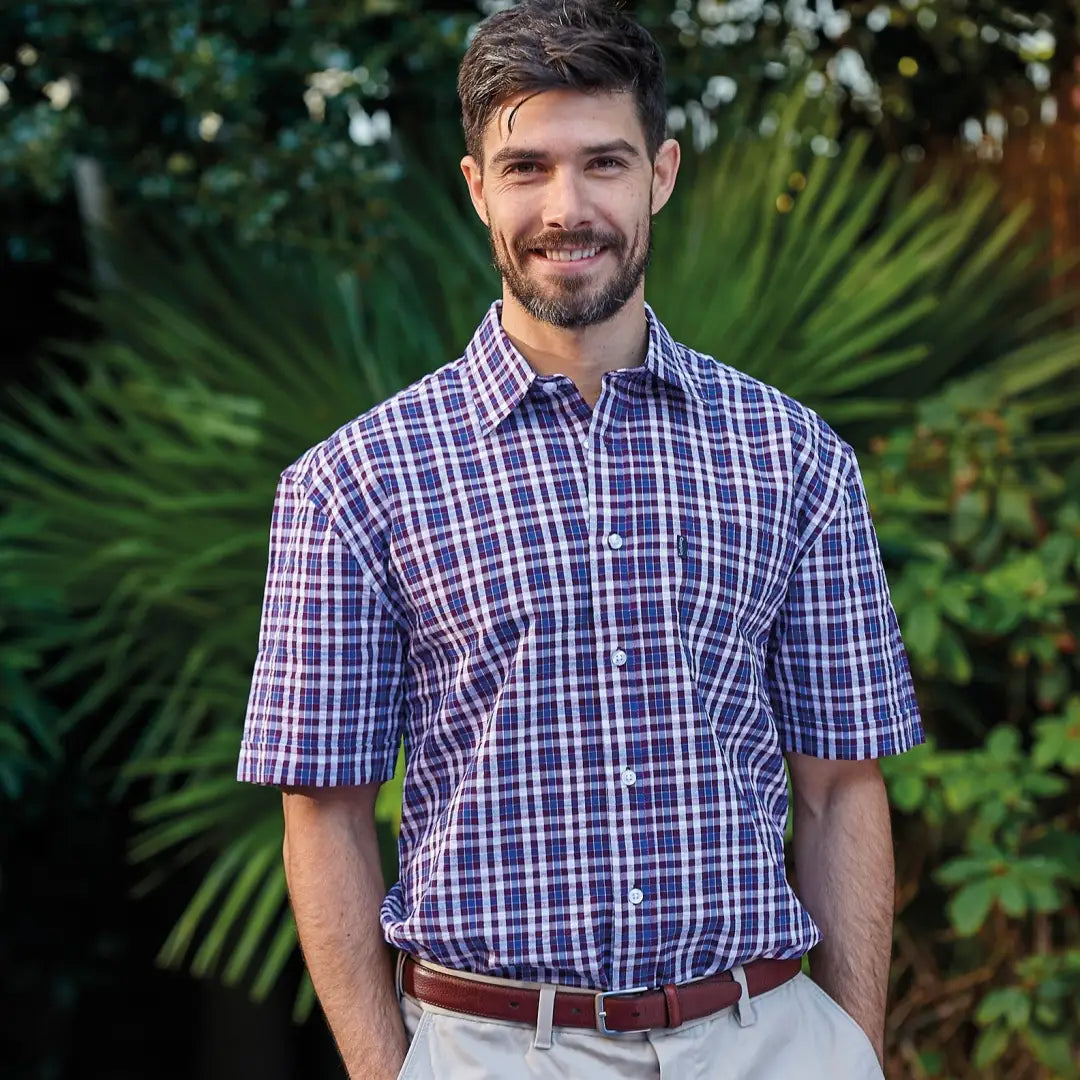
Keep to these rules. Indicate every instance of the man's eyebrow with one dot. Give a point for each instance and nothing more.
(522, 153)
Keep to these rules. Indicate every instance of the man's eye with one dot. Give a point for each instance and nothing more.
(522, 167)
(608, 163)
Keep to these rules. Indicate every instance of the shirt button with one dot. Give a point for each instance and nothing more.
(614, 541)
(636, 896)
(618, 658)
(629, 777)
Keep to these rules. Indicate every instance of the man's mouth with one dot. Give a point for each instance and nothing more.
(568, 254)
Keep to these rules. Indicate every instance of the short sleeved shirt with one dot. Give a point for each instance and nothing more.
(598, 631)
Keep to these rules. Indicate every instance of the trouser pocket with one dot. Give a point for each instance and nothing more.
(417, 1020)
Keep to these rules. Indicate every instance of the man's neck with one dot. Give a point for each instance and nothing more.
(583, 354)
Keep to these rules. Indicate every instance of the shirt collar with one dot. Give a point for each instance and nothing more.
(501, 376)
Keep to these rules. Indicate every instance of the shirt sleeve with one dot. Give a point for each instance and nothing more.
(838, 674)
(326, 705)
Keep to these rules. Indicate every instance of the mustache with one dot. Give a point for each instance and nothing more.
(561, 241)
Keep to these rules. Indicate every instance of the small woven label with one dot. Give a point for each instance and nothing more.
(681, 546)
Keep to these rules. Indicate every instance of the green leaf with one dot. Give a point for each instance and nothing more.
(256, 924)
(970, 514)
(990, 1045)
(1012, 896)
(262, 867)
(932, 1061)
(1008, 1003)
(224, 867)
(1016, 510)
(1003, 744)
(907, 792)
(281, 947)
(1045, 897)
(305, 999)
(967, 868)
(953, 658)
(969, 907)
(922, 628)
(1056, 1051)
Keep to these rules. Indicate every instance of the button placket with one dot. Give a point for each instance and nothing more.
(614, 627)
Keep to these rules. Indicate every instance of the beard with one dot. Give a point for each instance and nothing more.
(572, 301)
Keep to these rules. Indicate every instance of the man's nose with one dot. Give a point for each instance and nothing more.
(566, 205)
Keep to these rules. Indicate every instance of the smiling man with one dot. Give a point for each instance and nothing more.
(604, 586)
(569, 169)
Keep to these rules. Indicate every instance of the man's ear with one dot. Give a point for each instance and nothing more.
(474, 178)
(665, 169)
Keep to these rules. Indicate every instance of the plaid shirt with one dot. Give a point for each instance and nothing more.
(598, 631)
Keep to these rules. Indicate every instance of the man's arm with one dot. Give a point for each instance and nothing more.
(845, 876)
(336, 886)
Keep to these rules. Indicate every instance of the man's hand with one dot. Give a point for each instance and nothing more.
(336, 885)
(845, 877)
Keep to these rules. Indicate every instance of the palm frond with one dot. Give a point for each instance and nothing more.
(854, 290)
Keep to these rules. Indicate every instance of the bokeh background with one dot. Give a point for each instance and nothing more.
(227, 228)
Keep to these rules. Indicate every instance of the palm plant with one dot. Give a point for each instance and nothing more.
(845, 285)
(28, 742)
(150, 476)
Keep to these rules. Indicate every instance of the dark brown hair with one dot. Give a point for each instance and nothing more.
(538, 45)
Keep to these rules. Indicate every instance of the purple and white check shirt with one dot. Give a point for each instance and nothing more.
(598, 631)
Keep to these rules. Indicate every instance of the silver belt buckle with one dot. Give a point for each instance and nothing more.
(601, 1013)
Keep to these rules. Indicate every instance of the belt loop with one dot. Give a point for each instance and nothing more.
(545, 1012)
(399, 971)
(744, 1007)
(674, 1008)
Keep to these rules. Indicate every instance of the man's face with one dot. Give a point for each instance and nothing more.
(568, 199)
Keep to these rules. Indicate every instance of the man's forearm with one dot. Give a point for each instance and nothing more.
(336, 887)
(845, 873)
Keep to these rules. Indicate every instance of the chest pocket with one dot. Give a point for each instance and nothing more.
(729, 587)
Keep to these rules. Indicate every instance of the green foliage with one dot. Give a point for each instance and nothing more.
(32, 615)
(209, 382)
(979, 505)
(1041, 1012)
(843, 286)
(223, 112)
(213, 375)
(284, 122)
(987, 529)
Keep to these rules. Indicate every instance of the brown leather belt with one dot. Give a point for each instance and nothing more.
(608, 1011)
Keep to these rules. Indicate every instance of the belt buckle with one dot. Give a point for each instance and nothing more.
(601, 1013)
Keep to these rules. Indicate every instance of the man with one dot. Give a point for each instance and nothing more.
(604, 585)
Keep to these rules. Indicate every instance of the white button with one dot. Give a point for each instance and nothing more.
(629, 777)
(618, 658)
(551, 387)
(614, 541)
(636, 896)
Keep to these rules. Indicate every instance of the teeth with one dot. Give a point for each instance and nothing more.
(571, 256)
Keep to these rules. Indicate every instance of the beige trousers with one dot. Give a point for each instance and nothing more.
(794, 1032)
